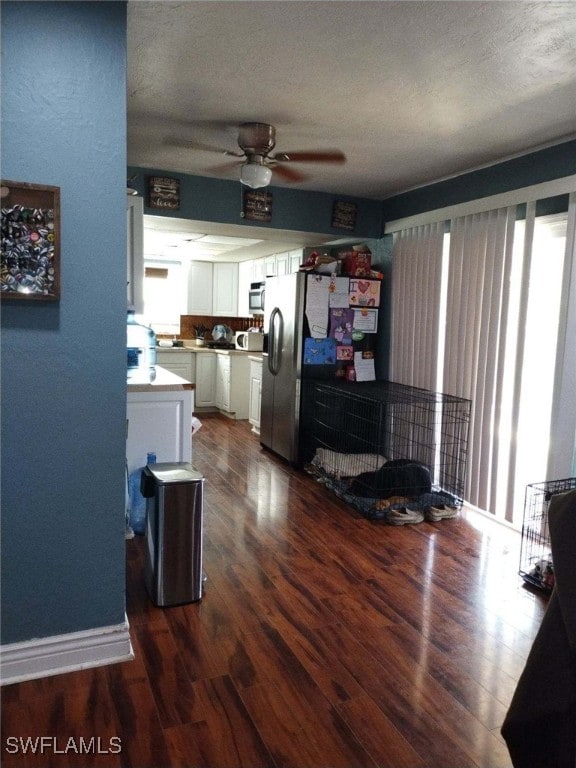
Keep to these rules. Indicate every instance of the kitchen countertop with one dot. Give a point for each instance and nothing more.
(190, 346)
(203, 350)
(173, 349)
(165, 381)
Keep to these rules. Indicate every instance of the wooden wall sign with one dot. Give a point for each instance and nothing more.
(30, 241)
(256, 205)
(164, 193)
(344, 215)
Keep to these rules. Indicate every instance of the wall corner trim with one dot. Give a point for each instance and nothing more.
(58, 654)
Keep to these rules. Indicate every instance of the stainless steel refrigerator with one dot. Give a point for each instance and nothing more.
(282, 364)
(296, 355)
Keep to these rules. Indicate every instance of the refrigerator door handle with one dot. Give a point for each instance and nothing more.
(275, 341)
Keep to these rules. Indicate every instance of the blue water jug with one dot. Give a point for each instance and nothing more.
(141, 348)
(137, 512)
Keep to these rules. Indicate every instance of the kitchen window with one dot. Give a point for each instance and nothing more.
(164, 294)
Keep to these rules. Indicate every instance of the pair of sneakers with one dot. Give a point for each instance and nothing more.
(404, 516)
(440, 512)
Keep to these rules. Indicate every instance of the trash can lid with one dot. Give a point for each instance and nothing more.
(174, 472)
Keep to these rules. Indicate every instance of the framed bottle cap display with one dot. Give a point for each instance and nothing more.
(30, 241)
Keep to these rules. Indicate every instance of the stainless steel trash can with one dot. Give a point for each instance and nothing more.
(174, 529)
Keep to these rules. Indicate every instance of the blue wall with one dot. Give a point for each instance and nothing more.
(219, 200)
(535, 168)
(63, 364)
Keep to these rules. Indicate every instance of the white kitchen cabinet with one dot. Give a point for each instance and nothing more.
(223, 382)
(200, 288)
(159, 422)
(255, 394)
(205, 393)
(245, 270)
(213, 288)
(270, 266)
(135, 253)
(225, 289)
(282, 263)
(296, 259)
(182, 362)
(258, 270)
(233, 381)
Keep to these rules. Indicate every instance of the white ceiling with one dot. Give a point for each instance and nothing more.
(411, 92)
(183, 239)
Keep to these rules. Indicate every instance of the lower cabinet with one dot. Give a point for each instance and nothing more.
(232, 384)
(181, 362)
(159, 422)
(255, 394)
(223, 381)
(205, 392)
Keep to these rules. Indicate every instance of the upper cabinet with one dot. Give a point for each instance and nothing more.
(221, 289)
(279, 264)
(270, 266)
(135, 252)
(225, 289)
(245, 275)
(258, 270)
(200, 286)
(282, 264)
(295, 259)
(213, 289)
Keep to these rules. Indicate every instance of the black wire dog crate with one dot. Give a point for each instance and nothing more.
(382, 444)
(536, 565)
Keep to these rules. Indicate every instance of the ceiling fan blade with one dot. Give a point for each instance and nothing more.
(322, 156)
(198, 145)
(224, 168)
(289, 174)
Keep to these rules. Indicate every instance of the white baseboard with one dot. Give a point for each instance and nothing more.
(58, 654)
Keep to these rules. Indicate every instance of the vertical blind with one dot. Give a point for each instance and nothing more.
(456, 326)
(565, 370)
(417, 265)
(476, 323)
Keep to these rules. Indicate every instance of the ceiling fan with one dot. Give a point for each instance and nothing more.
(257, 140)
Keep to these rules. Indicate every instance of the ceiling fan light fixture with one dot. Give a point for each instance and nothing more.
(255, 175)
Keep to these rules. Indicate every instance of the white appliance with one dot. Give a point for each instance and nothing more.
(249, 341)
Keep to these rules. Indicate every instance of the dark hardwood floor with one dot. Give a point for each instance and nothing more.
(323, 640)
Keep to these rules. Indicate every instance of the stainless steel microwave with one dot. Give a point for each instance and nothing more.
(256, 297)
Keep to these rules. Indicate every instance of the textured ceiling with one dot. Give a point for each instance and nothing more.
(410, 91)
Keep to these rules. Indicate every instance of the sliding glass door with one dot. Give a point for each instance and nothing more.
(532, 431)
(483, 308)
